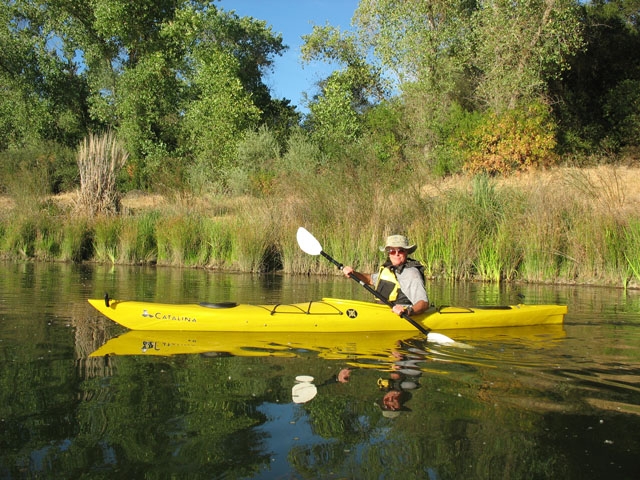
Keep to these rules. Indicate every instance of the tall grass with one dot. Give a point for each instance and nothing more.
(106, 239)
(479, 228)
(47, 244)
(20, 233)
(138, 239)
(180, 241)
(218, 239)
(77, 241)
(254, 244)
(632, 250)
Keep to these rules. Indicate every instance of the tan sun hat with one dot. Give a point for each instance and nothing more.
(398, 241)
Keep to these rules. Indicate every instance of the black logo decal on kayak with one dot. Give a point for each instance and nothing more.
(167, 316)
(351, 313)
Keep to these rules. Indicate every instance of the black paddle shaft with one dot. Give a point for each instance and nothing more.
(376, 294)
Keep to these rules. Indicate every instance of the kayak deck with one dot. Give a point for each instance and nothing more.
(326, 315)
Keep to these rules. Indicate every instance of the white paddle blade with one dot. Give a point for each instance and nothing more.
(307, 242)
(303, 392)
(441, 339)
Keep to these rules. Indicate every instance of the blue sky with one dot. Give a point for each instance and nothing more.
(294, 18)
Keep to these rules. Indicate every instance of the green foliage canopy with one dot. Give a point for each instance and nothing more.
(161, 73)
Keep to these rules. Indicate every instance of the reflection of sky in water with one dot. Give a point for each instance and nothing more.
(287, 427)
(38, 458)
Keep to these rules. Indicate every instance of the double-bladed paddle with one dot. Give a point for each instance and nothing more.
(309, 244)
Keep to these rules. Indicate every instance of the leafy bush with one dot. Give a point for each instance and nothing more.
(383, 131)
(517, 139)
(622, 110)
(257, 154)
(37, 170)
(302, 155)
(449, 155)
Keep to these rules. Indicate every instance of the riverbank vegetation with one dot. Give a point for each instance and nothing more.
(502, 140)
(565, 225)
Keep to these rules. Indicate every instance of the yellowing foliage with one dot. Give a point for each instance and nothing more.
(514, 140)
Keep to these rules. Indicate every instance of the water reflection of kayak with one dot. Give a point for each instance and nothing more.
(327, 315)
(372, 346)
(326, 345)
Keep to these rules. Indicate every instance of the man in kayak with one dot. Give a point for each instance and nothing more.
(400, 278)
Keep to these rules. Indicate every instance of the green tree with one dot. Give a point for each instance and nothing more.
(334, 122)
(425, 47)
(216, 117)
(336, 112)
(520, 47)
(598, 106)
(42, 98)
(453, 58)
(141, 68)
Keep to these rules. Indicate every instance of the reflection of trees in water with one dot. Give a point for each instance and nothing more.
(186, 414)
(450, 431)
(90, 332)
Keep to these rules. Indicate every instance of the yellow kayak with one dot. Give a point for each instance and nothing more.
(329, 315)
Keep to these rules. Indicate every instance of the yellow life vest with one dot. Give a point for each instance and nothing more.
(387, 283)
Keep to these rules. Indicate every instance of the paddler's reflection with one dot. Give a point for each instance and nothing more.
(343, 376)
(397, 393)
(402, 380)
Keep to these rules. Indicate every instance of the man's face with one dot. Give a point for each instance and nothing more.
(397, 255)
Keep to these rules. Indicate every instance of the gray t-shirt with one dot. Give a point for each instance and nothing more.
(411, 284)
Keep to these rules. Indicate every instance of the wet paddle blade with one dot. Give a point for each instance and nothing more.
(307, 242)
(440, 339)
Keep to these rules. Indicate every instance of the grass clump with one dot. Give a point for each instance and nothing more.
(180, 242)
(632, 248)
(77, 241)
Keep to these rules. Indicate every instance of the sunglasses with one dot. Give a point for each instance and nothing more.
(396, 251)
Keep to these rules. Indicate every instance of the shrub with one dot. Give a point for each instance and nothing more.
(35, 171)
(449, 155)
(517, 139)
(622, 110)
(303, 156)
(257, 154)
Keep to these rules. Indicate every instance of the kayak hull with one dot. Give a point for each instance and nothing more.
(327, 315)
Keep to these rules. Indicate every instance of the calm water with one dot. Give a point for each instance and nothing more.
(521, 404)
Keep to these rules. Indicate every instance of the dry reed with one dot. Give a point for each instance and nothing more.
(100, 158)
